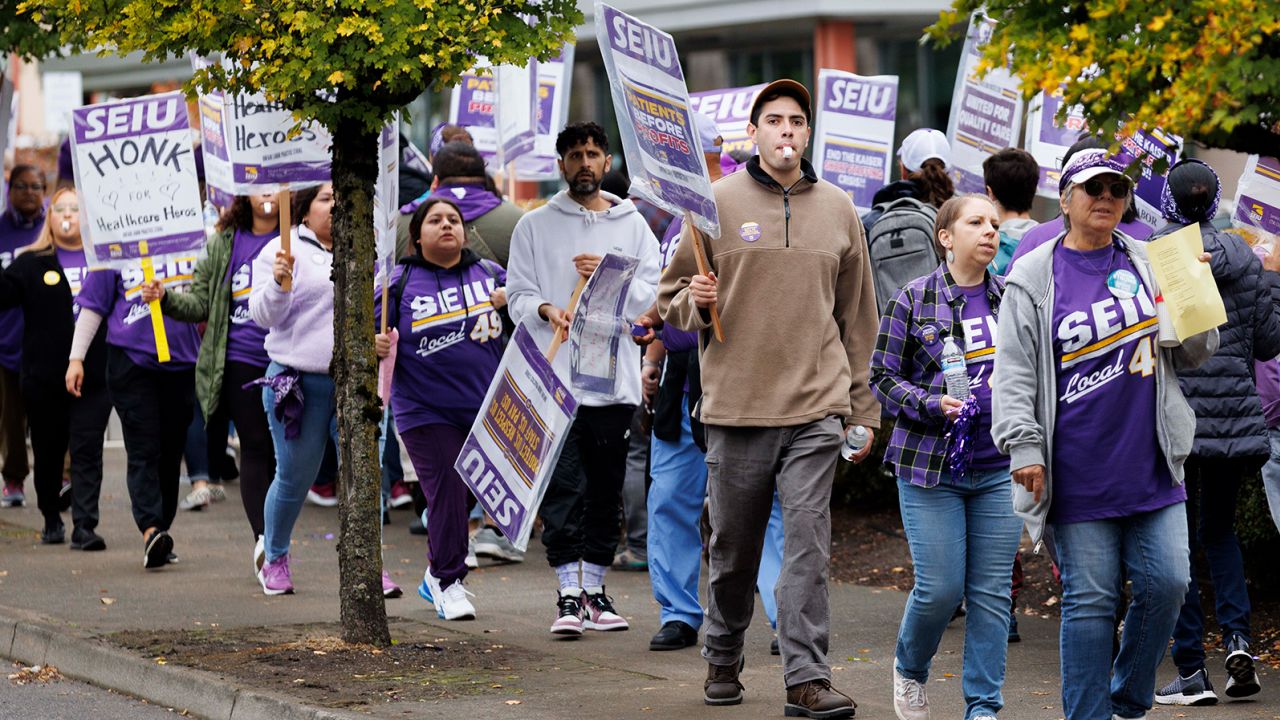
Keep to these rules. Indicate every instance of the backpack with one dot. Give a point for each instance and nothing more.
(901, 246)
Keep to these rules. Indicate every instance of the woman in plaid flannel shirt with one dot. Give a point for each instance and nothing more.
(958, 518)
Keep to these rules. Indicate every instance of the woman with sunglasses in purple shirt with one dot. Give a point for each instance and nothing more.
(1087, 405)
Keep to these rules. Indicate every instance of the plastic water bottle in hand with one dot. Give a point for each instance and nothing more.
(210, 218)
(954, 371)
(854, 440)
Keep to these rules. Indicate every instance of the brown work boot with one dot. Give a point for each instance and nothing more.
(817, 699)
(722, 686)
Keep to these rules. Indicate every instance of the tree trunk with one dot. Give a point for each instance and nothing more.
(355, 172)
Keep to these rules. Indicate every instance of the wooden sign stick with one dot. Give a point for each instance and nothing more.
(700, 254)
(282, 199)
(558, 338)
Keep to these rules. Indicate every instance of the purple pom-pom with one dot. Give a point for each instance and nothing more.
(960, 438)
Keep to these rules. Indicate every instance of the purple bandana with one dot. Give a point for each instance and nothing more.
(1169, 206)
(288, 401)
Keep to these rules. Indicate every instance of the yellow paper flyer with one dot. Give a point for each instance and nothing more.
(1190, 293)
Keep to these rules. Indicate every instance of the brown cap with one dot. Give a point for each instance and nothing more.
(788, 88)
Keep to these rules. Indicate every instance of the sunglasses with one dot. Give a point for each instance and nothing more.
(1119, 188)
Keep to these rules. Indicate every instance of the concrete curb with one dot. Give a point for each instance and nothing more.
(35, 640)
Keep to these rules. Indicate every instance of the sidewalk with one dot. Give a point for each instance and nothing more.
(601, 675)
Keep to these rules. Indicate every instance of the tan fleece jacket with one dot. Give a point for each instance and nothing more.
(796, 302)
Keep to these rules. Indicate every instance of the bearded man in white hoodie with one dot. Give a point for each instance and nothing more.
(553, 247)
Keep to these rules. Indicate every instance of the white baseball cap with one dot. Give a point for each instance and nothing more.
(924, 144)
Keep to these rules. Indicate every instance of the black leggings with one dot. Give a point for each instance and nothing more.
(60, 422)
(257, 453)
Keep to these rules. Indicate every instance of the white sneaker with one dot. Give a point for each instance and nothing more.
(454, 604)
(489, 543)
(909, 699)
(259, 554)
(472, 562)
(450, 603)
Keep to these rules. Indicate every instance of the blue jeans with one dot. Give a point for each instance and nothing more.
(1095, 557)
(679, 472)
(1271, 476)
(1213, 486)
(297, 460)
(963, 537)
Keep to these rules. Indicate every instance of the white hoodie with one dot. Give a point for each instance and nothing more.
(541, 270)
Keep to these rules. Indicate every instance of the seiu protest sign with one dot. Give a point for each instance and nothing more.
(1258, 196)
(986, 114)
(664, 153)
(516, 116)
(251, 147)
(854, 135)
(136, 174)
(731, 109)
(512, 449)
(474, 104)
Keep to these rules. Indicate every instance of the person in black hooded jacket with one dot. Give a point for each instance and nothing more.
(1231, 437)
(43, 281)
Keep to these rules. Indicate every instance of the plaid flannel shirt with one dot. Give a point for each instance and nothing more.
(906, 371)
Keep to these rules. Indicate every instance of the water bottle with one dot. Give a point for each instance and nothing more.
(854, 440)
(210, 218)
(954, 371)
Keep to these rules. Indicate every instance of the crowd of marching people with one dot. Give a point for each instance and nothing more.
(1021, 365)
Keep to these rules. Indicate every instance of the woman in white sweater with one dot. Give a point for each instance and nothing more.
(299, 322)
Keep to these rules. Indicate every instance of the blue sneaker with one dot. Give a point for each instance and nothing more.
(429, 590)
(1194, 690)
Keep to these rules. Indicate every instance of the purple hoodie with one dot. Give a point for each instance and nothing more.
(450, 340)
(117, 296)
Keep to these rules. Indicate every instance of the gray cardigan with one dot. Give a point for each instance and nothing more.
(1024, 385)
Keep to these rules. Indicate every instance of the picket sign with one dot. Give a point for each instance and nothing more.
(139, 195)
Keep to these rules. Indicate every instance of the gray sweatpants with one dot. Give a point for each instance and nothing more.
(743, 467)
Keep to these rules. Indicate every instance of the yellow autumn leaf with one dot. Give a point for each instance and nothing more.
(336, 77)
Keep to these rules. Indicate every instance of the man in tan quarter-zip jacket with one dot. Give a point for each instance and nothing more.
(792, 281)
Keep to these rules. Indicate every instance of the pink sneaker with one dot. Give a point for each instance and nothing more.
(275, 577)
(12, 495)
(401, 496)
(389, 588)
(598, 612)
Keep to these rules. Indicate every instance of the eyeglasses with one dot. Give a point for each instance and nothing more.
(1119, 188)
(24, 187)
(66, 208)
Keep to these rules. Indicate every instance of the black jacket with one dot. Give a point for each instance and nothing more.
(1229, 421)
(48, 321)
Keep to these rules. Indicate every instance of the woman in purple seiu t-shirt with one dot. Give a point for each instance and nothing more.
(1087, 405)
(153, 399)
(232, 353)
(449, 344)
(953, 485)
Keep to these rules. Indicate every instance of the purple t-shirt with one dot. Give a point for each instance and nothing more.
(245, 339)
(117, 295)
(450, 344)
(15, 233)
(979, 326)
(75, 268)
(1107, 461)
